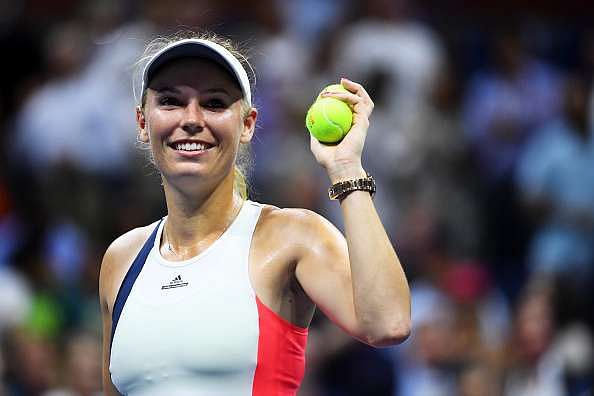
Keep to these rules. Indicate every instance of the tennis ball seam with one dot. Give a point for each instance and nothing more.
(330, 121)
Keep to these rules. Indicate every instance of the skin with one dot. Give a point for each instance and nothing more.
(356, 281)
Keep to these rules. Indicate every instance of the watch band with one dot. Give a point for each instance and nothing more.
(338, 190)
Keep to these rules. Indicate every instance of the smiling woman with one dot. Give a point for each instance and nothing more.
(147, 64)
(216, 297)
(192, 120)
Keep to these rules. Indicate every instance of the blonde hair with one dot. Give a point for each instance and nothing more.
(243, 163)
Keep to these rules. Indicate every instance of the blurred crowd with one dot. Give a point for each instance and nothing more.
(480, 141)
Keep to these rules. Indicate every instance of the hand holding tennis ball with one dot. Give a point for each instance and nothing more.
(329, 119)
(340, 108)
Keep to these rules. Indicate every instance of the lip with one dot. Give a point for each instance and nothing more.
(190, 154)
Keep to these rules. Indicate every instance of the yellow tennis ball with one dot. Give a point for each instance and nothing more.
(329, 119)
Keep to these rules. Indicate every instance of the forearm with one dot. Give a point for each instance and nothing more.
(380, 289)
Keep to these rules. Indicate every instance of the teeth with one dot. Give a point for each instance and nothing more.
(190, 146)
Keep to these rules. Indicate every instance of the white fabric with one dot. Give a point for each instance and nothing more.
(197, 339)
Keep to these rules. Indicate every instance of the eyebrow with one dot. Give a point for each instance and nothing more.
(217, 90)
(167, 89)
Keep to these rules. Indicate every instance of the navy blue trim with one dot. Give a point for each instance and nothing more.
(129, 280)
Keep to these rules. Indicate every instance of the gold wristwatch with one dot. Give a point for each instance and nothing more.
(340, 189)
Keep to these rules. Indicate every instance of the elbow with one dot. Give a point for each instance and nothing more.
(392, 335)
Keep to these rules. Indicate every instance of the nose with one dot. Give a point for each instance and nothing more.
(193, 121)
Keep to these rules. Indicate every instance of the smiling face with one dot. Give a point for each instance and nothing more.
(194, 120)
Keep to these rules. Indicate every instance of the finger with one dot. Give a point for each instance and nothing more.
(356, 88)
(348, 97)
(357, 104)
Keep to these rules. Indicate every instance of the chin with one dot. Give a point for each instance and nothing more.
(188, 172)
(193, 175)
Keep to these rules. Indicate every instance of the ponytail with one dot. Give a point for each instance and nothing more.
(240, 183)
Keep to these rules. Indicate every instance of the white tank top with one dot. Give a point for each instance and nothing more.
(196, 327)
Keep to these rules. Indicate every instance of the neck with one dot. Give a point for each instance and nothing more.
(198, 218)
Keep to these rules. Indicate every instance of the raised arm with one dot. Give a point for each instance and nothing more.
(379, 308)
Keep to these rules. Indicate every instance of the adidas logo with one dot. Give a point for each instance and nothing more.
(176, 282)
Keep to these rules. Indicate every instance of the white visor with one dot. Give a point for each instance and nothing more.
(200, 49)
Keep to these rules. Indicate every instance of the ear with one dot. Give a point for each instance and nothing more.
(143, 135)
(249, 125)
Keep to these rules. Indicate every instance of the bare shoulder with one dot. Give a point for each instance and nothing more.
(124, 246)
(117, 260)
(301, 228)
(286, 243)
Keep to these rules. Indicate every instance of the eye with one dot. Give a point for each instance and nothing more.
(215, 103)
(166, 100)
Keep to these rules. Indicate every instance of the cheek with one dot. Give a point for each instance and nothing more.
(160, 124)
(226, 126)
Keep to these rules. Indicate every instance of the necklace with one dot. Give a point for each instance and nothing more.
(169, 247)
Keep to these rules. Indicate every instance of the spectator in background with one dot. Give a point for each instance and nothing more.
(424, 365)
(587, 67)
(503, 107)
(482, 313)
(44, 136)
(460, 326)
(545, 357)
(15, 298)
(556, 179)
(476, 379)
(434, 173)
(32, 367)
(309, 27)
(81, 368)
(88, 90)
(532, 370)
(385, 39)
(15, 306)
(398, 58)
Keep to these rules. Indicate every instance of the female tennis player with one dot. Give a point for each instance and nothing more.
(216, 297)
